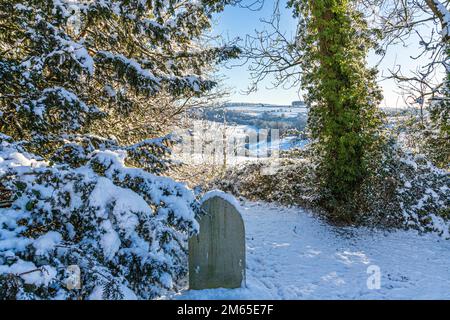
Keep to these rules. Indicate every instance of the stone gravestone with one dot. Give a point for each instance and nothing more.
(217, 253)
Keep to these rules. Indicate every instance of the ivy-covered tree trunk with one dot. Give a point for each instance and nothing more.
(342, 95)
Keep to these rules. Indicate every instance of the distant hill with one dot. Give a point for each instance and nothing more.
(294, 104)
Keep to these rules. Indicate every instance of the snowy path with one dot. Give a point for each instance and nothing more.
(293, 255)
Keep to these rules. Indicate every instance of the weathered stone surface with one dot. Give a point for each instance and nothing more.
(217, 253)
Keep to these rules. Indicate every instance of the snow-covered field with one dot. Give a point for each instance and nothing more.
(282, 111)
(293, 255)
(203, 143)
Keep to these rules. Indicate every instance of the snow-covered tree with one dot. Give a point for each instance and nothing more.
(75, 67)
(428, 23)
(84, 87)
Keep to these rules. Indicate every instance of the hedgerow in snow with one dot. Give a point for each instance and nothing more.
(405, 190)
(420, 190)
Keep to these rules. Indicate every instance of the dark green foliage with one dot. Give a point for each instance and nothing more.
(149, 217)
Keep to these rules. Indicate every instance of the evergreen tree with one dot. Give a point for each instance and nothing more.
(71, 68)
(344, 120)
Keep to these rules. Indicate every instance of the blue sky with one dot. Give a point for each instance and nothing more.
(237, 22)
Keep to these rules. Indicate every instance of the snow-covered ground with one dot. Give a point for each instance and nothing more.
(293, 255)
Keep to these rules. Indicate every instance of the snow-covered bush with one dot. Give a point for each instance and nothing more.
(124, 227)
(420, 191)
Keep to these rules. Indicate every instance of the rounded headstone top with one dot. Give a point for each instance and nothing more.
(223, 195)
